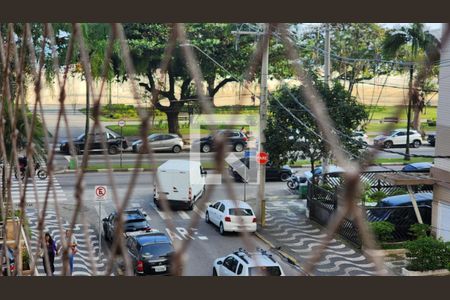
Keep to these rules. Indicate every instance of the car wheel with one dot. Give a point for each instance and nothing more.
(416, 144)
(176, 149)
(113, 149)
(207, 218)
(284, 176)
(214, 272)
(191, 206)
(388, 144)
(221, 229)
(206, 148)
(238, 147)
(42, 174)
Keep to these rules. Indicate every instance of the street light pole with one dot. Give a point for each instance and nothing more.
(408, 124)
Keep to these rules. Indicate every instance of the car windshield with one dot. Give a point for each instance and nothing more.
(80, 137)
(241, 212)
(264, 271)
(153, 136)
(157, 250)
(393, 132)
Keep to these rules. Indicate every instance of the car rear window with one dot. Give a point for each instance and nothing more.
(135, 224)
(157, 250)
(241, 212)
(265, 271)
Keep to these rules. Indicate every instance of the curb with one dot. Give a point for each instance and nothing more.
(292, 260)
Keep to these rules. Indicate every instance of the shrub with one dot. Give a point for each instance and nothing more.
(25, 260)
(427, 254)
(377, 196)
(419, 230)
(383, 230)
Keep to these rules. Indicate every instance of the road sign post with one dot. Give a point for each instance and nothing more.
(121, 123)
(100, 196)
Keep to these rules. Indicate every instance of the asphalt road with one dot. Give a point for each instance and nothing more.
(205, 245)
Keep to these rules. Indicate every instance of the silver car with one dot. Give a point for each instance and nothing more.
(161, 142)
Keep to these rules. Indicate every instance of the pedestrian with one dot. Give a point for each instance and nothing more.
(244, 131)
(50, 247)
(72, 247)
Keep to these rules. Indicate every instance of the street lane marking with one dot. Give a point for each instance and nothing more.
(183, 215)
(135, 205)
(163, 215)
(199, 212)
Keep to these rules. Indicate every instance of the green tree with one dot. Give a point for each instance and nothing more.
(295, 135)
(413, 43)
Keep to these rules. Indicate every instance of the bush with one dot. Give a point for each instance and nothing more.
(419, 230)
(377, 196)
(25, 260)
(383, 230)
(427, 254)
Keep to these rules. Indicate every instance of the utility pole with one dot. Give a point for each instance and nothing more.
(261, 211)
(408, 125)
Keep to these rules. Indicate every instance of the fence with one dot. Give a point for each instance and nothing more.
(322, 204)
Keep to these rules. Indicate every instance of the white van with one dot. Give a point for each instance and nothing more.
(182, 181)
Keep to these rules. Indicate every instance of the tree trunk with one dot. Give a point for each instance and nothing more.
(86, 129)
(416, 118)
(172, 121)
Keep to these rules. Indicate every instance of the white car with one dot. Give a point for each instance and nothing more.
(243, 263)
(360, 136)
(398, 137)
(231, 216)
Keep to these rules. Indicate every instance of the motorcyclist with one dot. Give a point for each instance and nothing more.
(23, 162)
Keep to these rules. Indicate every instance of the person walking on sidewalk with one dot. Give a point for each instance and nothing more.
(72, 247)
(50, 247)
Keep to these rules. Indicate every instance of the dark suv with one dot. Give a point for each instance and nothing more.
(134, 220)
(151, 253)
(113, 142)
(236, 139)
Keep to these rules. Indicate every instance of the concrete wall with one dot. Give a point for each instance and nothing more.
(441, 201)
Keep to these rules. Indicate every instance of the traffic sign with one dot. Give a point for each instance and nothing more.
(262, 158)
(121, 123)
(100, 192)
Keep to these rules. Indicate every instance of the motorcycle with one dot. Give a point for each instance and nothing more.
(40, 172)
(294, 182)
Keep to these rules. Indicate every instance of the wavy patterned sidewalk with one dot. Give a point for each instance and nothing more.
(288, 227)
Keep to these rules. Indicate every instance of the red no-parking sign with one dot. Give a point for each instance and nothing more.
(262, 158)
(100, 192)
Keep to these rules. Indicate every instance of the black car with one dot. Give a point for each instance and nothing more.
(113, 142)
(134, 220)
(151, 253)
(273, 173)
(10, 255)
(431, 138)
(235, 139)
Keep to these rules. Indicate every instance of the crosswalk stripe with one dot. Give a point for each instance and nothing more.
(199, 212)
(135, 205)
(183, 215)
(40, 188)
(162, 214)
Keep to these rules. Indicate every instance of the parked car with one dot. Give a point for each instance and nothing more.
(150, 253)
(113, 142)
(405, 200)
(361, 137)
(398, 138)
(10, 256)
(332, 170)
(431, 138)
(243, 263)
(418, 167)
(160, 142)
(231, 216)
(273, 173)
(181, 181)
(399, 210)
(235, 139)
(134, 220)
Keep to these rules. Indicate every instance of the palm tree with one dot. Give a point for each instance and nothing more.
(411, 43)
